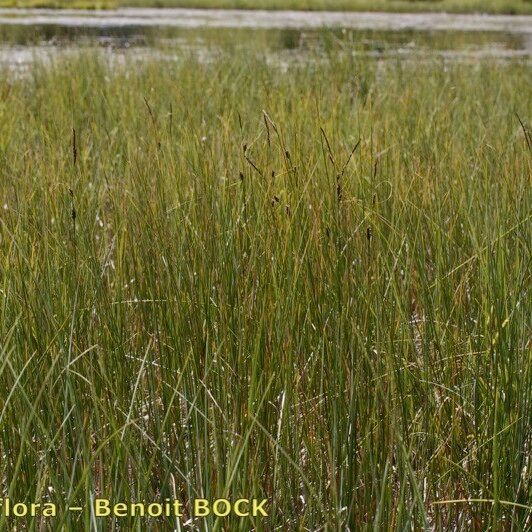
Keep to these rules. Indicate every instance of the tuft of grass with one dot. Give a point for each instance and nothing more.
(307, 284)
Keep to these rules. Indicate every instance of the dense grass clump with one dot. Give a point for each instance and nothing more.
(231, 279)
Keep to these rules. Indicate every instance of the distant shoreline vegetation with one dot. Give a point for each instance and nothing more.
(452, 6)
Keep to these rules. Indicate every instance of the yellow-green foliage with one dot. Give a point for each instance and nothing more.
(459, 6)
(74, 4)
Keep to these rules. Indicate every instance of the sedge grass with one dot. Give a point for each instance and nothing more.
(312, 285)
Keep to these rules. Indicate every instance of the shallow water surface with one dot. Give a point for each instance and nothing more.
(218, 18)
(29, 35)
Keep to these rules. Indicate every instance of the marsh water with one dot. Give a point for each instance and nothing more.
(36, 35)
